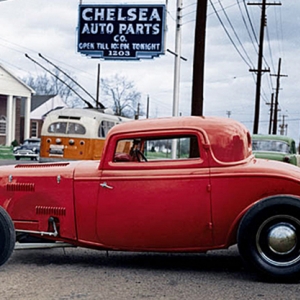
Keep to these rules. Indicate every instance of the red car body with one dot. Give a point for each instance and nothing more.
(214, 199)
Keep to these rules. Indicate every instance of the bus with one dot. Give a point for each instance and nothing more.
(75, 134)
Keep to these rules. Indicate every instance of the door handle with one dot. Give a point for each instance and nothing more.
(104, 185)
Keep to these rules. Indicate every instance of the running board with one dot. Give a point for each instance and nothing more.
(25, 246)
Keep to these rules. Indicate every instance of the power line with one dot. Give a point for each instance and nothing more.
(227, 33)
(259, 69)
(229, 22)
(85, 101)
(279, 31)
(250, 22)
(246, 26)
(55, 66)
(270, 49)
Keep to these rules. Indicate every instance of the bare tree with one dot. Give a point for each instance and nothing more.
(121, 94)
(45, 84)
(41, 84)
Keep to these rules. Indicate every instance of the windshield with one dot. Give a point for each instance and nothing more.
(31, 143)
(270, 145)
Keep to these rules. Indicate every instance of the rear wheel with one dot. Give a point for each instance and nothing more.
(7, 236)
(269, 238)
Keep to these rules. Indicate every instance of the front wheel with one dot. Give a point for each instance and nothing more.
(269, 238)
(7, 236)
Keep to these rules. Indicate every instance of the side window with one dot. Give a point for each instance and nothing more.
(154, 149)
(172, 148)
(2, 125)
(58, 127)
(34, 129)
(104, 127)
(75, 128)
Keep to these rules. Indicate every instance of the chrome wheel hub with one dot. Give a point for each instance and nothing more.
(277, 240)
(282, 239)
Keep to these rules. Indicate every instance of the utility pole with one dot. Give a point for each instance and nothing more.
(283, 126)
(148, 103)
(98, 87)
(177, 59)
(177, 70)
(278, 75)
(259, 70)
(199, 58)
(271, 113)
(137, 114)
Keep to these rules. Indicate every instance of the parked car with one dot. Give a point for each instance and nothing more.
(275, 147)
(208, 192)
(30, 148)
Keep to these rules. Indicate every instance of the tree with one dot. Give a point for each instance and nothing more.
(120, 93)
(45, 84)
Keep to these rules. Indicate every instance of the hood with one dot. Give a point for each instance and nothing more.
(63, 169)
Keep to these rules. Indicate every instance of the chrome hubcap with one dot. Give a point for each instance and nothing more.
(282, 239)
(277, 240)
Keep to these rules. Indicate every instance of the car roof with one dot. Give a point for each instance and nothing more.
(272, 137)
(229, 139)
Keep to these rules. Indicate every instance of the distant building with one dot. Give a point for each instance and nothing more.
(41, 106)
(13, 92)
(21, 112)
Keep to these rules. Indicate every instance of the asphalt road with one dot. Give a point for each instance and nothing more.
(78, 273)
(4, 162)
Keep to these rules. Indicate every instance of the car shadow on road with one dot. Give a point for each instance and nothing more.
(222, 261)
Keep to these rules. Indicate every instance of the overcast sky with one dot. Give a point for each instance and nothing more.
(50, 28)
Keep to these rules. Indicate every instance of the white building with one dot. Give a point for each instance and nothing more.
(12, 92)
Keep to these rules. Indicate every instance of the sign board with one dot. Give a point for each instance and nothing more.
(121, 32)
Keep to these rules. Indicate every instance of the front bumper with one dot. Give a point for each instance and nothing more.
(30, 154)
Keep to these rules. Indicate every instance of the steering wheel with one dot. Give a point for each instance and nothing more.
(140, 155)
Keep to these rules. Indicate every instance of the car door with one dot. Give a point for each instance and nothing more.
(158, 204)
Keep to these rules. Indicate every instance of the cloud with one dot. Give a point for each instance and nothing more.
(49, 27)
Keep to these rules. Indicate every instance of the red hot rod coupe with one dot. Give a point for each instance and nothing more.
(188, 184)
